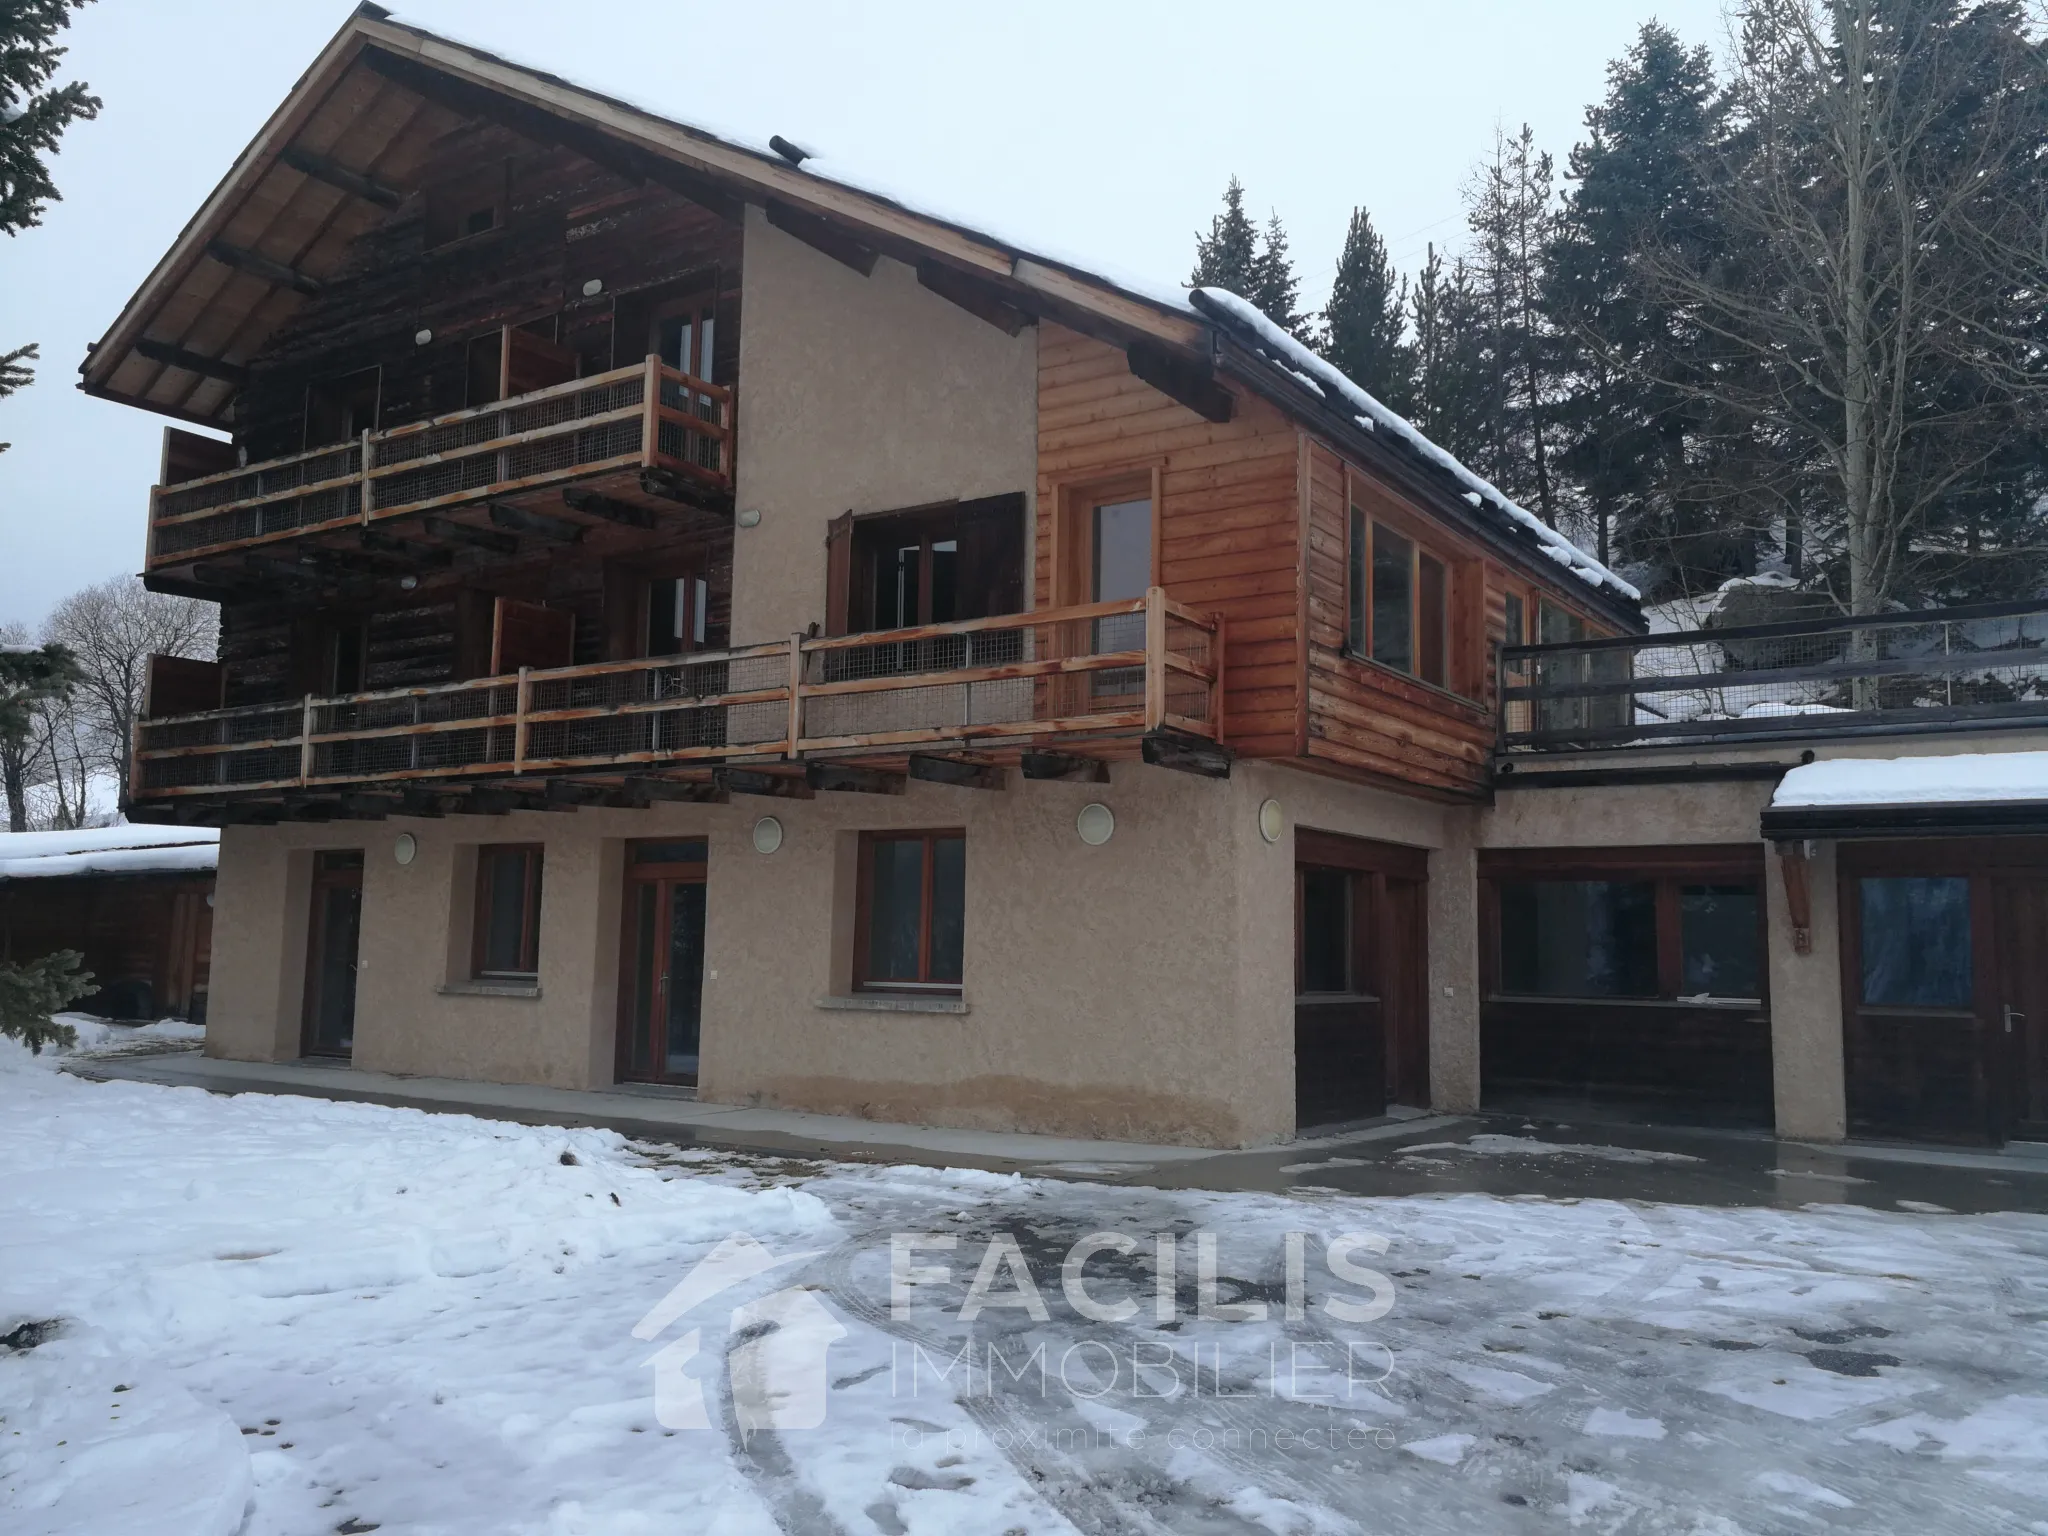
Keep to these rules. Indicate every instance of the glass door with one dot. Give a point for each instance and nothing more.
(329, 1026)
(662, 1001)
(1120, 564)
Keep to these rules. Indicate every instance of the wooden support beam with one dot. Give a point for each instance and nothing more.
(1065, 766)
(462, 533)
(557, 530)
(1189, 384)
(368, 807)
(572, 792)
(645, 789)
(236, 813)
(402, 555)
(956, 771)
(821, 235)
(1796, 868)
(191, 362)
(1187, 754)
(978, 298)
(623, 160)
(303, 805)
(425, 803)
(670, 486)
(256, 264)
(755, 781)
(340, 177)
(853, 779)
(610, 508)
(484, 800)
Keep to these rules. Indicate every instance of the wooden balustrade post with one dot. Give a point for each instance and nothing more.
(796, 694)
(368, 493)
(305, 743)
(519, 704)
(1155, 657)
(1217, 692)
(650, 411)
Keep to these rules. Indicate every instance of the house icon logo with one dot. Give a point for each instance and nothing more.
(774, 1346)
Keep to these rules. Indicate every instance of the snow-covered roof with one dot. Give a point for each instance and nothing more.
(1964, 778)
(124, 850)
(1315, 373)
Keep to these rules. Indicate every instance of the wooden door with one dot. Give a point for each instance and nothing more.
(1339, 1013)
(662, 955)
(2020, 924)
(1404, 981)
(329, 1024)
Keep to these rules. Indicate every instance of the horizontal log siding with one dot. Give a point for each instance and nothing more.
(1229, 518)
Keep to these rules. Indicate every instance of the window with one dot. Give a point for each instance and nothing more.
(909, 924)
(1400, 602)
(964, 560)
(507, 934)
(1916, 942)
(342, 408)
(1515, 619)
(465, 206)
(675, 614)
(1578, 938)
(1659, 930)
(1326, 931)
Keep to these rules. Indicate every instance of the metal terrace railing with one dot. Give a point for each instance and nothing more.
(1935, 669)
(1071, 675)
(647, 416)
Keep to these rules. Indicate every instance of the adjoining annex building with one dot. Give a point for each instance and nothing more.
(687, 618)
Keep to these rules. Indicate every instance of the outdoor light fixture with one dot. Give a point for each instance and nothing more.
(406, 848)
(593, 288)
(1272, 821)
(421, 337)
(749, 518)
(407, 583)
(1095, 823)
(767, 835)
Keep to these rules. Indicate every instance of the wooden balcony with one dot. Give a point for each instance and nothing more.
(635, 437)
(1102, 681)
(1931, 670)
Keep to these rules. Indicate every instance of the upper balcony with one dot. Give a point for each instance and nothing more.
(1057, 690)
(638, 440)
(1932, 670)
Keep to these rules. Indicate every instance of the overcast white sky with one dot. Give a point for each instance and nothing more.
(1105, 128)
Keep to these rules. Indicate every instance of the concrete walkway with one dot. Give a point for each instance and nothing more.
(1405, 1153)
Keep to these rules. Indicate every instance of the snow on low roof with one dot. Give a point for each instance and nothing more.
(1307, 368)
(125, 850)
(1965, 778)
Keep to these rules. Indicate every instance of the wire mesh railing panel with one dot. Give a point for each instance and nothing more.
(270, 478)
(263, 520)
(1959, 664)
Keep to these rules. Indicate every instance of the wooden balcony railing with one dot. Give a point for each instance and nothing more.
(647, 416)
(1071, 676)
(1875, 674)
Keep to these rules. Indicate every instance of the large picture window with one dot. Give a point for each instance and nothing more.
(910, 922)
(1400, 602)
(1659, 930)
(507, 934)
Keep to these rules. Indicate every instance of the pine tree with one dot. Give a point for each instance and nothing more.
(32, 119)
(1451, 402)
(1232, 256)
(1635, 441)
(1365, 325)
(1510, 214)
(31, 991)
(28, 676)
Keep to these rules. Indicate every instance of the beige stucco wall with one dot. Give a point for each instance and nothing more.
(861, 393)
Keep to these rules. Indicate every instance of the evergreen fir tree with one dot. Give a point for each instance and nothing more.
(1228, 256)
(1510, 214)
(1365, 325)
(1450, 402)
(1275, 288)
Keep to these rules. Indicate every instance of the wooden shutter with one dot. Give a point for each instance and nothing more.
(625, 613)
(528, 635)
(188, 456)
(528, 362)
(991, 569)
(178, 685)
(838, 572)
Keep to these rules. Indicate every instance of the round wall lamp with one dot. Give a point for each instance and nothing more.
(749, 517)
(421, 337)
(593, 288)
(406, 848)
(1095, 823)
(767, 835)
(1272, 820)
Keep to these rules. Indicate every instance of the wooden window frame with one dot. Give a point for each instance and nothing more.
(1667, 869)
(863, 914)
(1361, 519)
(1073, 539)
(529, 922)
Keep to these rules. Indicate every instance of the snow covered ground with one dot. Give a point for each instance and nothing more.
(282, 1315)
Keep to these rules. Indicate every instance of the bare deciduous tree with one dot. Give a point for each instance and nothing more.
(1881, 302)
(113, 629)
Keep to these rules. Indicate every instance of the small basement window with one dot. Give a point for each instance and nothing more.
(910, 918)
(507, 934)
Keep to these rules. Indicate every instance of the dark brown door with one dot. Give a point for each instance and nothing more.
(1361, 1014)
(337, 922)
(2020, 918)
(662, 1000)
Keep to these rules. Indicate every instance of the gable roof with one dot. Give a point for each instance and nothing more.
(347, 145)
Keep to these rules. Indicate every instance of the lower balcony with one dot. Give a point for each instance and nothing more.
(1057, 692)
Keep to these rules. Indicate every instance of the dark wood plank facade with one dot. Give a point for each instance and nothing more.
(147, 939)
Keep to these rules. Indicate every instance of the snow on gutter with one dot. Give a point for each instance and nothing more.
(1311, 371)
(123, 850)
